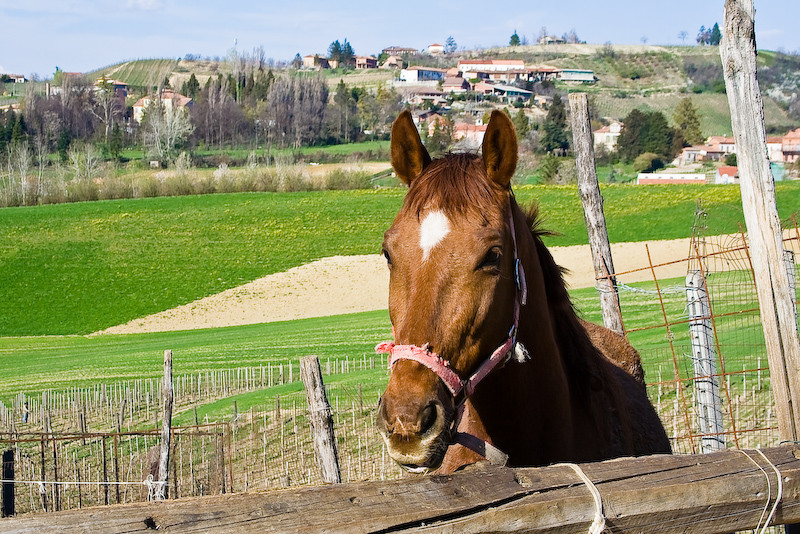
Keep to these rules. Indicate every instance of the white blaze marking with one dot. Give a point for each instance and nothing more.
(433, 229)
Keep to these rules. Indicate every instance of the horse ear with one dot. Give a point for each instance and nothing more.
(409, 157)
(500, 149)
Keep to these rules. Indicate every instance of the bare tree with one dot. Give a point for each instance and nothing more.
(165, 129)
(107, 105)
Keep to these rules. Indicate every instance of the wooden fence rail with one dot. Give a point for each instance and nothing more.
(720, 492)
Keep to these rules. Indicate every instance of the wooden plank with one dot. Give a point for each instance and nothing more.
(738, 53)
(720, 492)
(592, 200)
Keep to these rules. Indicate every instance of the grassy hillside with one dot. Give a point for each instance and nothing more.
(78, 268)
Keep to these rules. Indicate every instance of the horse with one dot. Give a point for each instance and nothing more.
(490, 359)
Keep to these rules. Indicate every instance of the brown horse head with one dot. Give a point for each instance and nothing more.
(451, 289)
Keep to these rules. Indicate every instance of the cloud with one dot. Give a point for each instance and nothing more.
(146, 5)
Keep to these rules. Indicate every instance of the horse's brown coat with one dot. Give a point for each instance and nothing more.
(569, 402)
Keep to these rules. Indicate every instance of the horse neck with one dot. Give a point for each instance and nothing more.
(528, 402)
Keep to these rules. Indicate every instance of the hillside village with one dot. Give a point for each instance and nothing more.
(165, 108)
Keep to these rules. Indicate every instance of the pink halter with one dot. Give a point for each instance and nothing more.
(441, 367)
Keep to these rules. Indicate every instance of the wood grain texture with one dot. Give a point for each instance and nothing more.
(719, 492)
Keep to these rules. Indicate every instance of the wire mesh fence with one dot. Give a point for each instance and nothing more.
(702, 345)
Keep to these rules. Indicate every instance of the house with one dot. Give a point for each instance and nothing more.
(428, 122)
(726, 145)
(117, 87)
(393, 62)
(455, 84)
(577, 75)
(700, 153)
(421, 75)
(366, 62)
(726, 174)
(511, 93)
(493, 69)
(775, 148)
(435, 49)
(315, 61)
(15, 78)
(607, 136)
(551, 39)
(651, 178)
(790, 146)
(171, 100)
(399, 51)
(469, 135)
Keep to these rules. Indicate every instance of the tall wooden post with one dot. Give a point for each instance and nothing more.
(592, 201)
(162, 490)
(738, 53)
(321, 420)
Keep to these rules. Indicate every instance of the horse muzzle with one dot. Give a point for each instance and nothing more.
(416, 435)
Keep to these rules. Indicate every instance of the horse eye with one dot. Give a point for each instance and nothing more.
(492, 259)
(386, 255)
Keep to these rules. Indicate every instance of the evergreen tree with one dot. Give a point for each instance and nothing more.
(716, 36)
(191, 87)
(555, 134)
(686, 120)
(521, 124)
(514, 41)
(450, 45)
(648, 132)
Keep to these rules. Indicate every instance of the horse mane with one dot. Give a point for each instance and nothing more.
(579, 353)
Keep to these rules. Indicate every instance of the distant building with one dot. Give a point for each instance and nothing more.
(421, 75)
(435, 49)
(315, 61)
(577, 75)
(366, 62)
(399, 51)
(726, 174)
(551, 39)
(607, 136)
(393, 62)
(790, 146)
(648, 178)
(171, 100)
(455, 84)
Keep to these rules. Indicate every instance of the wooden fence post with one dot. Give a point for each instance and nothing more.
(319, 412)
(592, 201)
(161, 492)
(738, 53)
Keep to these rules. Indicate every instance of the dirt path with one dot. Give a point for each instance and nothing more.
(348, 284)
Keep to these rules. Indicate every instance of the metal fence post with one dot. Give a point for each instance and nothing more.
(706, 383)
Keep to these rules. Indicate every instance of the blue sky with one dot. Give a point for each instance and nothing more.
(82, 35)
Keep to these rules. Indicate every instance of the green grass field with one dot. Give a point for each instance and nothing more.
(78, 268)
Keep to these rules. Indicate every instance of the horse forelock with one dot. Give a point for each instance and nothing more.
(455, 183)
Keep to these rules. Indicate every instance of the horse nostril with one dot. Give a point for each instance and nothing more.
(428, 418)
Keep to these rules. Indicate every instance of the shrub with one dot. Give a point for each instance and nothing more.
(647, 162)
(340, 179)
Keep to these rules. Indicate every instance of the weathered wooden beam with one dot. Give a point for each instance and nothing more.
(321, 419)
(721, 492)
(778, 320)
(592, 200)
(162, 488)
